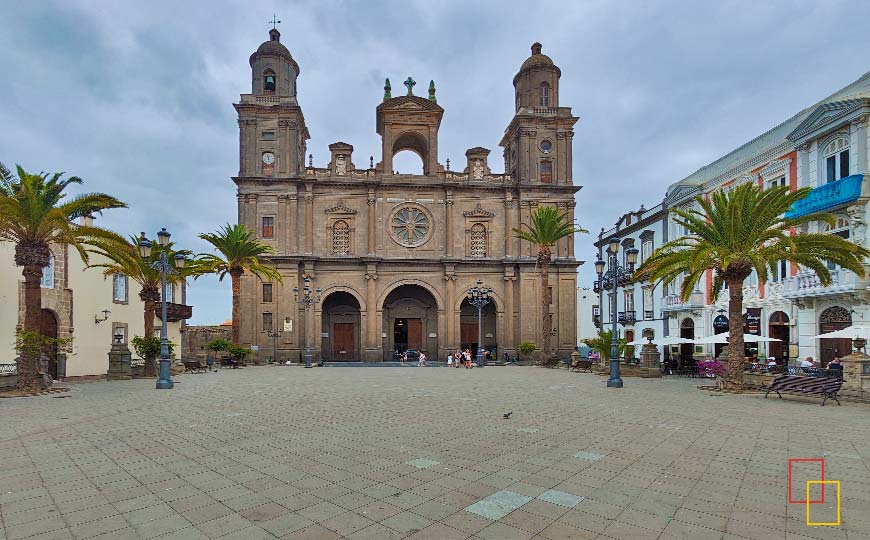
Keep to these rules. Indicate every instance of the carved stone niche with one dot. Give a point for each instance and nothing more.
(477, 165)
(340, 163)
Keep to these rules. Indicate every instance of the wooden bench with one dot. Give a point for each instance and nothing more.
(582, 365)
(193, 366)
(827, 387)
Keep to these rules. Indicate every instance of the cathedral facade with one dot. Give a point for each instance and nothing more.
(394, 254)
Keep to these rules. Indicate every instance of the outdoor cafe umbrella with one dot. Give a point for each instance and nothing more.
(668, 340)
(853, 332)
(747, 338)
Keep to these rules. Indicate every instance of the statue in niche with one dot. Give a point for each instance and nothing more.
(477, 169)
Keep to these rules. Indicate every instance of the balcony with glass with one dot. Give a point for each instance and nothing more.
(673, 302)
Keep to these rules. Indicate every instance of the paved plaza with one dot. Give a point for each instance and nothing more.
(389, 453)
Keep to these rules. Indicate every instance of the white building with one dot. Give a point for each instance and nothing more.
(81, 304)
(824, 146)
(639, 304)
(587, 304)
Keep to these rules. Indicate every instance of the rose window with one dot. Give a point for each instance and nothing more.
(410, 226)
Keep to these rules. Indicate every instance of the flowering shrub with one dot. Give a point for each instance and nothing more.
(711, 368)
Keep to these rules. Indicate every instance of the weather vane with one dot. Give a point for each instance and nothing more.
(275, 22)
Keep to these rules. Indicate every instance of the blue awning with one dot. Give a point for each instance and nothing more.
(831, 195)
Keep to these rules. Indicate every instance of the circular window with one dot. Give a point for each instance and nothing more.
(546, 146)
(410, 226)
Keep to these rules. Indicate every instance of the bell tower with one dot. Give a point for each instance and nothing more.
(272, 131)
(537, 143)
(409, 122)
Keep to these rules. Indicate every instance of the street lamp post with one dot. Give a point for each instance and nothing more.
(479, 296)
(615, 277)
(162, 265)
(307, 299)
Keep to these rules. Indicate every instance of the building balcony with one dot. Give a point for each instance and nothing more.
(673, 302)
(649, 315)
(827, 196)
(806, 284)
(174, 312)
(626, 317)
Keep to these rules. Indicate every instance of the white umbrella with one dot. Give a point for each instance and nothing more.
(851, 332)
(669, 340)
(747, 338)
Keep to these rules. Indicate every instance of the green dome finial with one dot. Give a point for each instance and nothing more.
(432, 92)
(387, 89)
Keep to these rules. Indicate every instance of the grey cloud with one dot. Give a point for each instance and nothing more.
(136, 97)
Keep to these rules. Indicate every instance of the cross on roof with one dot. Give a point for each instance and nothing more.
(275, 22)
(410, 84)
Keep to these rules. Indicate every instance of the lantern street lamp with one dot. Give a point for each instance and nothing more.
(165, 267)
(614, 277)
(307, 299)
(479, 296)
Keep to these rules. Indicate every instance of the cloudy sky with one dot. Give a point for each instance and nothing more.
(135, 97)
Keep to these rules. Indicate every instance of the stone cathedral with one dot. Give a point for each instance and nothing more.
(394, 254)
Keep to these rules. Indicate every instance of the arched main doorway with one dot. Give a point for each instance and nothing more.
(48, 328)
(410, 321)
(778, 328)
(341, 327)
(468, 335)
(833, 319)
(687, 331)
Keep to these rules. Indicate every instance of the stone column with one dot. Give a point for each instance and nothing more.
(372, 222)
(241, 200)
(508, 224)
(569, 173)
(509, 339)
(119, 363)
(803, 167)
(293, 223)
(372, 336)
(451, 343)
(649, 359)
(448, 227)
(309, 219)
(251, 212)
(282, 225)
(856, 372)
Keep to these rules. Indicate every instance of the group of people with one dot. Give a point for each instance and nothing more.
(462, 359)
(808, 362)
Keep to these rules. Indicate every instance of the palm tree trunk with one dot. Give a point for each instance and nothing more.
(29, 377)
(546, 319)
(236, 276)
(734, 370)
(150, 363)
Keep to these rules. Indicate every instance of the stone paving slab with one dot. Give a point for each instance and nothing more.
(392, 453)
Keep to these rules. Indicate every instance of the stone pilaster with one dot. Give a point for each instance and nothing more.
(309, 219)
(448, 227)
(452, 341)
(372, 222)
(293, 223)
(373, 341)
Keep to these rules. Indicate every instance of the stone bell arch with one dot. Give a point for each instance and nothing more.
(409, 122)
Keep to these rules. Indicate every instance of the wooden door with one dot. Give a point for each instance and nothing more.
(343, 341)
(415, 334)
(468, 334)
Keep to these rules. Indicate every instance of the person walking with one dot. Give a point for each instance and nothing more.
(421, 360)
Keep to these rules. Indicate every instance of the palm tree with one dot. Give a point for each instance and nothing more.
(33, 216)
(239, 252)
(602, 343)
(740, 231)
(124, 258)
(549, 225)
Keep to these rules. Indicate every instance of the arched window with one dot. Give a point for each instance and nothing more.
(478, 240)
(544, 95)
(835, 156)
(48, 275)
(546, 172)
(340, 238)
(269, 81)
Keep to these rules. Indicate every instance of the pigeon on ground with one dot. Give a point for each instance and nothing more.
(508, 415)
